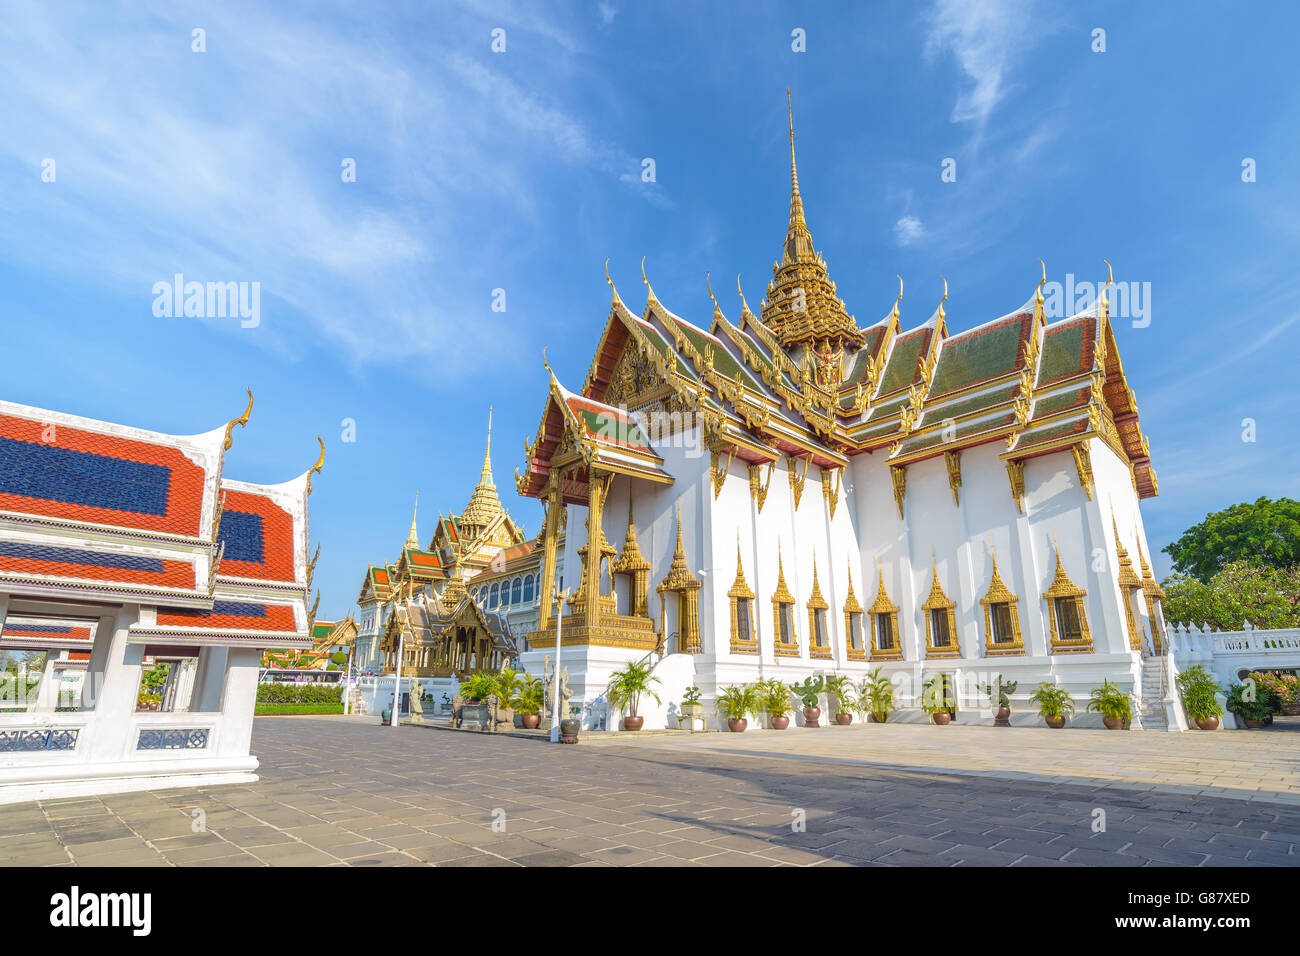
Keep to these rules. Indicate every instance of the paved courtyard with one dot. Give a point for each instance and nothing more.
(345, 791)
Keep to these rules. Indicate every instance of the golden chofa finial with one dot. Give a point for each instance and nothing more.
(649, 288)
(744, 306)
(900, 295)
(320, 463)
(241, 421)
(1110, 279)
(944, 299)
(717, 309)
(1041, 282)
(613, 288)
(545, 364)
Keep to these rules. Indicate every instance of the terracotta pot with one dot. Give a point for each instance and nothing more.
(633, 722)
(879, 719)
(810, 715)
(1056, 723)
(1002, 713)
(737, 725)
(531, 721)
(1113, 723)
(1252, 723)
(843, 719)
(1207, 723)
(941, 718)
(780, 723)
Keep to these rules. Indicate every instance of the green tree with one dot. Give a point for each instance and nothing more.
(1268, 597)
(1266, 533)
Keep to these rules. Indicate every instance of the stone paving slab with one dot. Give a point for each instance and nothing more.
(347, 792)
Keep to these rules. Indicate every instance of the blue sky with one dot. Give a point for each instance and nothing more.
(521, 171)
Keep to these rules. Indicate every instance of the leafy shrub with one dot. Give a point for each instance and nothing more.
(1198, 689)
(299, 693)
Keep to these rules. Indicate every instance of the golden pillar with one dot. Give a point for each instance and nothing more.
(595, 548)
(549, 545)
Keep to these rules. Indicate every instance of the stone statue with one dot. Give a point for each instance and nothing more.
(417, 704)
(565, 693)
(498, 718)
(457, 709)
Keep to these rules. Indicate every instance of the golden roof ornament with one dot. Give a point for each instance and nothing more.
(241, 421)
(615, 300)
(802, 304)
(484, 506)
(413, 536)
(320, 462)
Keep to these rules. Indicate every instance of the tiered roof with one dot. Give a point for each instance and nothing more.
(97, 512)
(806, 385)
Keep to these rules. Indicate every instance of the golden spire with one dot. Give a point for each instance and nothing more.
(801, 304)
(798, 240)
(484, 505)
(413, 536)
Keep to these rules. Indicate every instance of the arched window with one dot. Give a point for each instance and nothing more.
(528, 589)
(516, 590)
(492, 597)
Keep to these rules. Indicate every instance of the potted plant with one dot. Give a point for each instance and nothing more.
(938, 701)
(810, 692)
(842, 687)
(1200, 702)
(529, 701)
(625, 690)
(476, 690)
(735, 701)
(691, 706)
(1113, 705)
(1252, 702)
(1054, 704)
(999, 694)
(774, 697)
(877, 696)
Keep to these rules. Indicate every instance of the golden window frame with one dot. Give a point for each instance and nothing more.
(883, 605)
(741, 591)
(999, 593)
(816, 602)
(851, 607)
(939, 601)
(1063, 589)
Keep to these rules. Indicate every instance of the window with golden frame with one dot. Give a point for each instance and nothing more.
(1066, 615)
(785, 639)
(1002, 634)
(743, 638)
(940, 620)
(856, 650)
(886, 644)
(819, 642)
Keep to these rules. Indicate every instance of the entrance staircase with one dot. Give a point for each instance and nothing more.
(1152, 712)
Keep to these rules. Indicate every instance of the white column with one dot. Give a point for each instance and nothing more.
(239, 700)
(117, 692)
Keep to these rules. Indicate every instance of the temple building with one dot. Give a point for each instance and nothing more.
(129, 556)
(790, 492)
(460, 602)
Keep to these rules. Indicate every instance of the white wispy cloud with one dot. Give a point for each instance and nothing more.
(985, 37)
(225, 165)
(908, 230)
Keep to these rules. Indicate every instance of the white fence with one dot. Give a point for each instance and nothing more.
(1226, 654)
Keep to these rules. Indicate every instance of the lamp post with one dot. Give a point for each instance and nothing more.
(561, 596)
